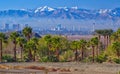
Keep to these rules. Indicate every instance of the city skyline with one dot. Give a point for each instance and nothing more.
(87, 4)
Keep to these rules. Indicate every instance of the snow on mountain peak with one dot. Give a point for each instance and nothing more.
(65, 8)
(74, 7)
(104, 11)
(23, 9)
(37, 10)
(45, 8)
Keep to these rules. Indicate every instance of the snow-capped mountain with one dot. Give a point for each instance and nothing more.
(103, 11)
(63, 12)
(45, 8)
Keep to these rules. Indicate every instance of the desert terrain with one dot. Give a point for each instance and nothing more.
(59, 68)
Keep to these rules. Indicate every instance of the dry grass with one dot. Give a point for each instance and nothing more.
(65, 68)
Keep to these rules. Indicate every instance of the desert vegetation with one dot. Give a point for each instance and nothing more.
(26, 47)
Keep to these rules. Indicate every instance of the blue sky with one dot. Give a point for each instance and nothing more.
(30, 4)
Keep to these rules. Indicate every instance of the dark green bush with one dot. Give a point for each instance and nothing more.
(116, 60)
(44, 59)
(101, 58)
(86, 60)
(89, 59)
(7, 58)
(49, 59)
(53, 58)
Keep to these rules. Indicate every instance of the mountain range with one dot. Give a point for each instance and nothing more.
(63, 13)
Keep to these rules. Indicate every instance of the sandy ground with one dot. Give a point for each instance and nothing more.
(64, 68)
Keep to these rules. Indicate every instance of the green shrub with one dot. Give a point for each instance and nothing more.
(23, 60)
(116, 60)
(53, 58)
(7, 58)
(49, 59)
(86, 60)
(67, 56)
(44, 59)
(89, 59)
(101, 58)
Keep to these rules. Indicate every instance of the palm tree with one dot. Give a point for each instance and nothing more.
(99, 33)
(27, 31)
(94, 42)
(35, 44)
(30, 46)
(82, 45)
(56, 43)
(74, 46)
(116, 47)
(106, 33)
(2, 39)
(48, 40)
(13, 37)
(21, 41)
(114, 37)
(118, 31)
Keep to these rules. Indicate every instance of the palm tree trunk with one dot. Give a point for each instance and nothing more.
(97, 50)
(28, 38)
(21, 52)
(98, 46)
(93, 53)
(34, 55)
(49, 53)
(15, 52)
(30, 52)
(30, 55)
(107, 40)
(104, 42)
(118, 54)
(49, 49)
(76, 53)
(0, 50)
(82, 54)
(99, 37)
(57, 53)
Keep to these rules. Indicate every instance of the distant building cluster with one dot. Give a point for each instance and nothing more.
(58, 29)
(13, 27)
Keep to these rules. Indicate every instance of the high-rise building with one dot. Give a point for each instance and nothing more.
(6, 26)
(16, 27)
(26, 25)
(59, 27)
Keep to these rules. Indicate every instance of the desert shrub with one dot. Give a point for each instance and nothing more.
(44, 59)
(67, 56)
(23, 60)
(116, 60)
(49, 59)
(7, 58)
(62, 59)
(53, 58)
(87, 59)
(118, 72)
(101, 58)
